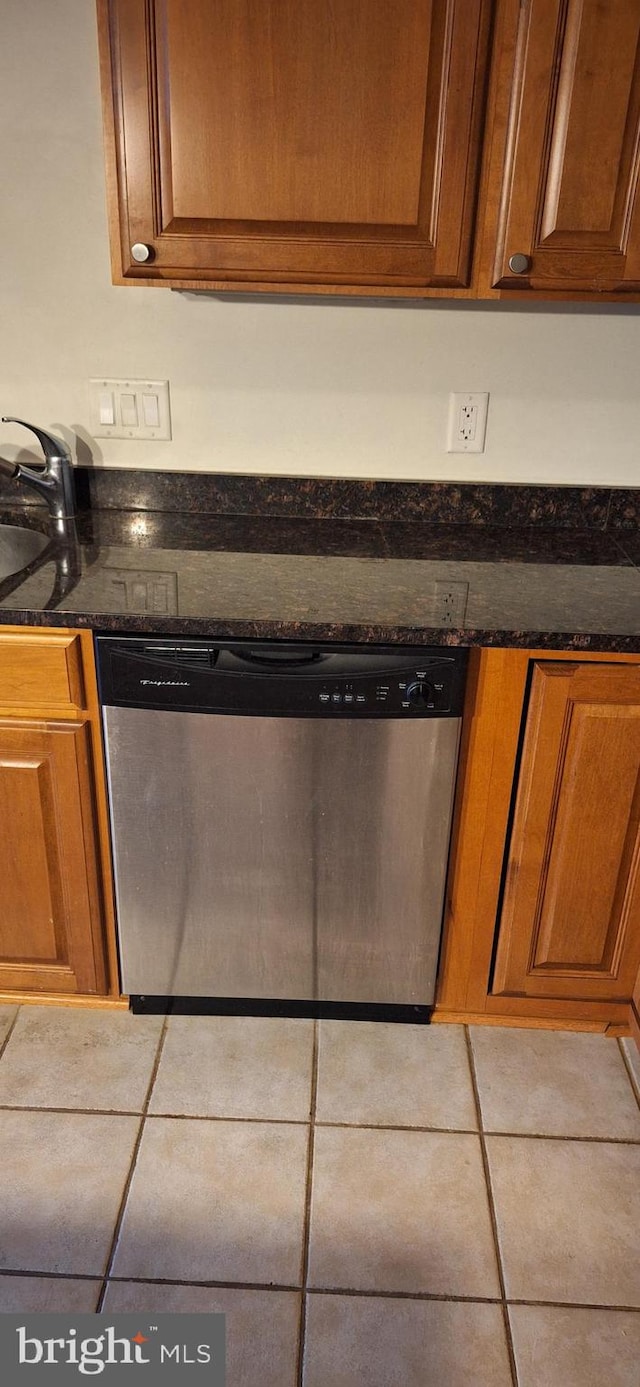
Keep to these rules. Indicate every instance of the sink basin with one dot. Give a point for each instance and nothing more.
(18, 547)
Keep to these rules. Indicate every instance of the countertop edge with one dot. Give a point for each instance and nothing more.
(214, 628)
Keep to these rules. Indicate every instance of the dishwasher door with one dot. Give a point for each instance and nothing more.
(280, 858)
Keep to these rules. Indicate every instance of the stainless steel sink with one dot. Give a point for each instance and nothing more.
(18, 547)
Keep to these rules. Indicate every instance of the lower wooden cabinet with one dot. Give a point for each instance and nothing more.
(570, 919)
(51, 929)
(542, 922)
(56, 906)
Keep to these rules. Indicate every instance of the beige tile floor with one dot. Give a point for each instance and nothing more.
(367, 1204)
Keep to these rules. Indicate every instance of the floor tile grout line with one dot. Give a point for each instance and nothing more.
(12, 1026)
(492, 1209)
(347, 1292)
(370, 1294)
(304, 1122)
(475, 1131)
(576, 1305)
(630, 1074)
(129, 1180)
(351, 1293)
(155, 1116)
(306, 1234)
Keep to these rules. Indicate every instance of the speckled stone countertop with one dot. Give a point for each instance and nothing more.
(273, 577)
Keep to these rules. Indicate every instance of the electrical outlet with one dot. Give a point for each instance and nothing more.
(467, 423)
(130, 409)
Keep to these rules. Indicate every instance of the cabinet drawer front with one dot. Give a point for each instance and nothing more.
(43, 671)
(570, 923)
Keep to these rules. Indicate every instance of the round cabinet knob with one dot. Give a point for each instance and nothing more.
(519, 264)
(420, 694)
(141, 252)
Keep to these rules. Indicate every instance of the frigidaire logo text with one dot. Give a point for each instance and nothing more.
(92, 1355)
(167, 683)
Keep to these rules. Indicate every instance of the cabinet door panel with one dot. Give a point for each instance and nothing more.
(297, 140)
(573, 150)
(570, 920)
(50, 926)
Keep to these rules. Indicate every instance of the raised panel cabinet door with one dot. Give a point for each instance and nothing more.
(570, 919)
(50, 919)
(316, 142)
(569, 215)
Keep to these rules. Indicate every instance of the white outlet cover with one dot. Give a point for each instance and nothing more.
(107, 386)
(467, 426)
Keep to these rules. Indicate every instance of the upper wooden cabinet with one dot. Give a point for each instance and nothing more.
(334, 146)
(562, 178)
(570, 919)
(318, 144)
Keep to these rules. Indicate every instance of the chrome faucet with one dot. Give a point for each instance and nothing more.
(55, 482)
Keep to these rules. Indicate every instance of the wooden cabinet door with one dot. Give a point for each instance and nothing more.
(50, 920)
(570, 919)
(261, 143)
(572, 157)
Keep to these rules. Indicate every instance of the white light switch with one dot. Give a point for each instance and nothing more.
(107, 414)
(130, 409)
(151, 411)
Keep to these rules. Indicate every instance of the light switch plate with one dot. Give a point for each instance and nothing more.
(132, 399)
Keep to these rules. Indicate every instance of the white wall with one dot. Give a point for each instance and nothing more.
(307, 388)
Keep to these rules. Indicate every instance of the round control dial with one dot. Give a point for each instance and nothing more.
(419, 694)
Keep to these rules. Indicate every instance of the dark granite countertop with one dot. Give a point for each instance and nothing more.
(270, 577)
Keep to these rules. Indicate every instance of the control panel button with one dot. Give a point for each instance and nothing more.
(336, 698)
(348, 698)
(324, 698)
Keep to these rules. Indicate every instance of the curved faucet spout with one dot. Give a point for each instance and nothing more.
(55, 483)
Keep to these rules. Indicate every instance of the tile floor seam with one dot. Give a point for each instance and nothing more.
(158, 1116)
(492, 1211)
(438, 1296)
(630, 1073)
(132, 1166)
(9, 1034)
(367, 1294)
(205, 1285)
(304, 1122)
(576, 1305)
(306, 1233)
(401, 1127)
(52, 1275)
(562, 1136)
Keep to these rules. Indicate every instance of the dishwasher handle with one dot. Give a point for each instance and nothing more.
(277, 660)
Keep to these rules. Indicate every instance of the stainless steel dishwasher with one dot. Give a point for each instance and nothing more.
(280, 820)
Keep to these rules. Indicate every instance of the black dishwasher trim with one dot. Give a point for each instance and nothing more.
(250, 678)
(410, 1013)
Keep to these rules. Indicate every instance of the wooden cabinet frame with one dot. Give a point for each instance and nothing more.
(495, 703)
(47, 685)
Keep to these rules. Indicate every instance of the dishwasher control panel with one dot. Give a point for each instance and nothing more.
(280, 679)
(430, 688)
